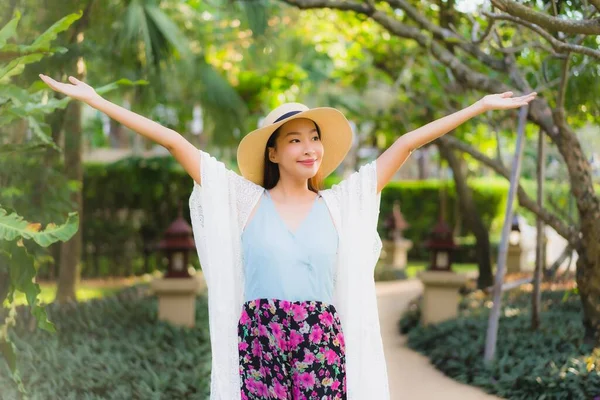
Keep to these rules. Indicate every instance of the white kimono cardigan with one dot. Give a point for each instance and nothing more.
(219, 209)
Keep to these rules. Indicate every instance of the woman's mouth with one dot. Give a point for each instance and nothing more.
(307, 163)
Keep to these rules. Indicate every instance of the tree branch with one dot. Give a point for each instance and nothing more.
(596, 3)
(539, 110)
(556, 44)
(553, 24)
(569, 233)
(564, 78)
(448, 35)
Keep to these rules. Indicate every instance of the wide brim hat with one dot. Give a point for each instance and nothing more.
(336, 136)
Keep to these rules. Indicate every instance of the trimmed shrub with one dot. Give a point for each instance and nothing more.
(550, 363)
(112, 348)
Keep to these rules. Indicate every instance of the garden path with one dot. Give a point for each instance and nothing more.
(410, 374)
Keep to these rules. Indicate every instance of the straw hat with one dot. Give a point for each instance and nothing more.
(336, 136)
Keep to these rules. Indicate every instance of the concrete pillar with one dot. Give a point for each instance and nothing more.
(440, 295)
(516, 259)
(399, 260)
(177, 299)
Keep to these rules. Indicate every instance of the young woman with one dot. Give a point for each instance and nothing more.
(289, 267)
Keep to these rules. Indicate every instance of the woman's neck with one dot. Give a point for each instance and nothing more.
(286, 190)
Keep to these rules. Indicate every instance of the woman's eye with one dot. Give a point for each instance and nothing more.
(316, 137)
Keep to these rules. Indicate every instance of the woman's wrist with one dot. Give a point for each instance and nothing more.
(479, 107)
(94, 101)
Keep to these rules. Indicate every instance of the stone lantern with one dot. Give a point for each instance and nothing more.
(177, 289)
(441, 284)
(441, 245)
(177, 243)
(397, 246)
(516, 257)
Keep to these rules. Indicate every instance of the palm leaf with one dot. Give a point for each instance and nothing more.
(257, 13)
(168, 30)
(224, 105)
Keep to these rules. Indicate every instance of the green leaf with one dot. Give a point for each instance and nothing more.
(38, 129)
(256, 14)
(168, 29)
(14, 226)
(51, 33)
(10, 29)
(22, 272)
(115, 85)
(54, 233)
(9, 353)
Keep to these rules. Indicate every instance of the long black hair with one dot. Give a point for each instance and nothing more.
(271, 171)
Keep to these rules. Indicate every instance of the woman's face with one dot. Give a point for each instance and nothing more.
(298, 149)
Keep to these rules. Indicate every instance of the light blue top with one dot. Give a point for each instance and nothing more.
(286, 265)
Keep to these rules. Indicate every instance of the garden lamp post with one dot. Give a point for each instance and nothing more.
(441, 245)
(177, 289)
(516, 255)
(441, 284)
(397, 246)
(177, 242)
(514, 236)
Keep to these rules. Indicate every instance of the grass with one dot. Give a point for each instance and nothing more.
(92, 289)
(413, 268)
(86, 290)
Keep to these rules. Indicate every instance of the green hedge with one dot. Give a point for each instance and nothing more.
(551, 363)
(129, 204)
(112, 348)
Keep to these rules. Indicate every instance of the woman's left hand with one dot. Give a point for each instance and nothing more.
(505, 101)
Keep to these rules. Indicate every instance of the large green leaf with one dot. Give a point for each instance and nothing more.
(42, 131)
(61, 25)
(121, 82)
(22, 148)
(13, 226)
(165, 25)
(257, 14)
(9, 353)
(22, 272)
(10, 29)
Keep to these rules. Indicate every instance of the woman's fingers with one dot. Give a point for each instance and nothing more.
(49, 81)
(58, 86)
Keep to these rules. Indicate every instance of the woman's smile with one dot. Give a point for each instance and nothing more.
(308, 163)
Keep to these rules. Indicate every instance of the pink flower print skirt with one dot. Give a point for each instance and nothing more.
(291, 350)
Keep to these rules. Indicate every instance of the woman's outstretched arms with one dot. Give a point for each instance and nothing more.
(392, 159)
(183, 151)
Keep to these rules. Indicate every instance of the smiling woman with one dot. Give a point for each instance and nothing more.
(289, 267)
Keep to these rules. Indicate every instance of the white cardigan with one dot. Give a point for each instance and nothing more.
(219, 209)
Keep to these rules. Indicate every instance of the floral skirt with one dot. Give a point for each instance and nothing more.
(291, 350)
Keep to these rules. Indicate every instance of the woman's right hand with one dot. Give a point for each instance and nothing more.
(78, 90)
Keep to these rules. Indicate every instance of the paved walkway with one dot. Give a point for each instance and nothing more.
(411, 376)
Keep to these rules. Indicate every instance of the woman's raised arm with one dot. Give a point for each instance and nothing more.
(392, 159)
(183, 151)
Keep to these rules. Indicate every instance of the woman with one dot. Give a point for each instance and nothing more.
(289, 267)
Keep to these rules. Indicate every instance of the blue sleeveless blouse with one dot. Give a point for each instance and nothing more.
(285, 265)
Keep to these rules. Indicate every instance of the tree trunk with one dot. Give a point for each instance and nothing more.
(472, 218)
(117, 135)
(588, 278)
(71, 250)
(540, 245)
